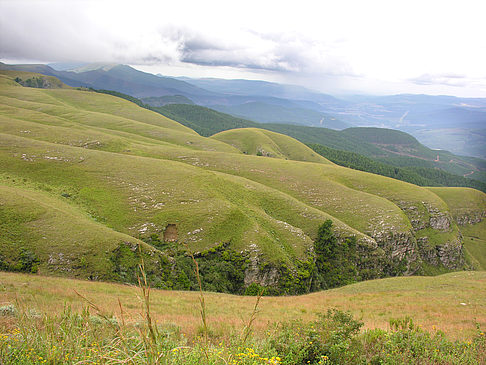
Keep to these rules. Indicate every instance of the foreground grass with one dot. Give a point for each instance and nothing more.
(452, 303)
(45, 320)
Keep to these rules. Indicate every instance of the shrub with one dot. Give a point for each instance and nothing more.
(332, 337)
(409, 344)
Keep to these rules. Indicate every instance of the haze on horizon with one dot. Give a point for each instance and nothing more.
(375, 47)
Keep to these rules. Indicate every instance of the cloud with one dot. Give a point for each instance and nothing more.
(77, 31)
(364, 42)
(282, 52)
(441, 79)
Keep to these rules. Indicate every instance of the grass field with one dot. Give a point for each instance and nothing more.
(452, 303)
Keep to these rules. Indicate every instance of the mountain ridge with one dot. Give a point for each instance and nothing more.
(424, 116)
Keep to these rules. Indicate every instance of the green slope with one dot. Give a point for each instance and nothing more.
(468, 207)
(42, 233)
(475, 244)
(253, 141)
(416, 175)
(391, 147)
(203, 120)
(140, 174)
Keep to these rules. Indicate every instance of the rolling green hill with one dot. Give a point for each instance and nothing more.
(385, 146)
(119, 170)
(253, 141)
(203, 120)
(422, 176)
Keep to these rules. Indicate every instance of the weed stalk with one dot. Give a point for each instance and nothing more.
(202, 304)
(247, 329)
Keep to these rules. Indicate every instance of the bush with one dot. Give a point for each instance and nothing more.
(332, 337)
(409, 344)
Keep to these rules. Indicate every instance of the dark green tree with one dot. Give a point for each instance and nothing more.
(335, 261)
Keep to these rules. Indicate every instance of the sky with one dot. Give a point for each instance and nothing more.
(338, 47)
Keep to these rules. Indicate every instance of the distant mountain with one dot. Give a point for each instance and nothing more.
(265, 88)
(440, 122)
(119, 78)
(157, 101)
(268, 113)
(66, 66)
(444, 122)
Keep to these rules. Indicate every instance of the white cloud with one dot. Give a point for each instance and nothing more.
(379, 41)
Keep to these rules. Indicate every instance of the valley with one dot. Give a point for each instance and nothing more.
(248, 199)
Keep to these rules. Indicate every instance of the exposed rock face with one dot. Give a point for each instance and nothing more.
(450, 254)
(438, 220)
(470, 217)
(400, 248)
(424, 216)
(414, 214)
(60, 262)
(254, 272)
(391, 252)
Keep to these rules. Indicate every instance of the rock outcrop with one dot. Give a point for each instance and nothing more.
(450, 255)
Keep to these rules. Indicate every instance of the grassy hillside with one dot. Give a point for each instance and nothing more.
(34, 239)
(253, 141)
(250, 219)
(203, 120)
(422, 176)
(393, 321)
(383, 146)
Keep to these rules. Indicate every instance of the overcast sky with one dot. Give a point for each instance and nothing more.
(339, 46)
